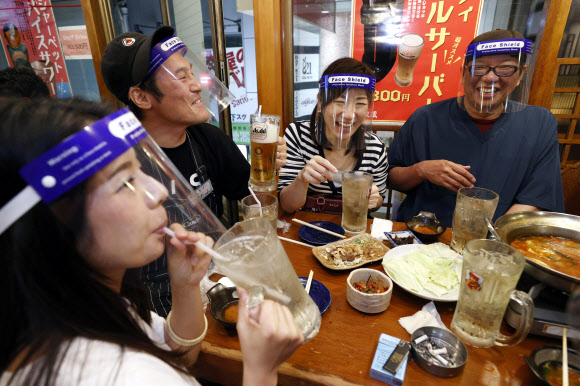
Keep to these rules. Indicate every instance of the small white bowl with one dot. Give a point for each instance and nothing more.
(369, 303)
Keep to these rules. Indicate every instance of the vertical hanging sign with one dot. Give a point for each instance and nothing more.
(30, 39)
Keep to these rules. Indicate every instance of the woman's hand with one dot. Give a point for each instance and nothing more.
(281, 153)
(268, 336)
(374, 197)
(187, 264)
(317, 170)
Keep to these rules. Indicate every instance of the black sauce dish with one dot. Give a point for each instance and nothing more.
(220, 298)
(429, 220)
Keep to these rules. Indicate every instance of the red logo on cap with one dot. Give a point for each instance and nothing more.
(128, 41)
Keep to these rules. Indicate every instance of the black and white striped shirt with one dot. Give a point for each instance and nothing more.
(301, 149)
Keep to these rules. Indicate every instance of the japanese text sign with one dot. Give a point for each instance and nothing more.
(30, 39)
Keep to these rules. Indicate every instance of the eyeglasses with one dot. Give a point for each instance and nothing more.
(501, 71)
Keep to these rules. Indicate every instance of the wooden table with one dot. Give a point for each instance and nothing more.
(343, 350)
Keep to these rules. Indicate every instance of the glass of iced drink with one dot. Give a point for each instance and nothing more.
(489, 274)
(269, 206)
(356, 190)
(254, 259)
(473, 205)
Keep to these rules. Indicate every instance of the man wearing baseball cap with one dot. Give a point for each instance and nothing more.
(486, 137)
(160, 80)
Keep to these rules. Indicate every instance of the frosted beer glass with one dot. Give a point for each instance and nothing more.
(473, 205)
(269, 205)
(356, 190)
(410, 48)
(254, 259)
(264, 131)
(489, 274)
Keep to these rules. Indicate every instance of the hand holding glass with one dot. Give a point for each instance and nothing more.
(251, 255)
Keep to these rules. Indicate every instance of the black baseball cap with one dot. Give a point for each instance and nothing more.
(127, 58)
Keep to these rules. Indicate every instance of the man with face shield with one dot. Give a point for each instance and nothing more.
(169, 90)
(486, 137)
(336, 140)
(82, 209)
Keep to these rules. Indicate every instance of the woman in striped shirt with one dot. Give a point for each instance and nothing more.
(334, 141)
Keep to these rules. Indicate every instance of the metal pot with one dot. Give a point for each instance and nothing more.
(513, 225)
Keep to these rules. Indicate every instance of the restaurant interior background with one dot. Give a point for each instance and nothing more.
(277, 50)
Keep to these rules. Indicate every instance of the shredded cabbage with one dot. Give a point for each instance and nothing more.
(434, 268)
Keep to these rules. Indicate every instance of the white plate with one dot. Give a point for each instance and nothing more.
(404, 250)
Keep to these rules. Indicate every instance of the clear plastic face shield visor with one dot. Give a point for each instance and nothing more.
(187, 75)
(117, 153)
(344, 111)
(495, 77)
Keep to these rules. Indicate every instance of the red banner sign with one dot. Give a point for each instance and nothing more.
(30, 39)
(416, 47)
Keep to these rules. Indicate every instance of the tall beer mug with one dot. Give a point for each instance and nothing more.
(489, 274)
(264, 131)
(252, 256)
(409, 50)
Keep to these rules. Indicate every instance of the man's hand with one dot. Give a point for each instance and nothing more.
(281, 153)
(446, 173)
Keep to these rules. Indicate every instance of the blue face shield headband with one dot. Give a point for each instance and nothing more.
(83, 154)
(495, 77)
(345, 110)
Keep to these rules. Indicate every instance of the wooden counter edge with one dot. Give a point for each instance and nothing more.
(287, 373)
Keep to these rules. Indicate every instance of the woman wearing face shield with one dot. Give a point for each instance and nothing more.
(336, 140)
(76, 311)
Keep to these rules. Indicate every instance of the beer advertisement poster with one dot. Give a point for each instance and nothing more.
(416, 48)
(30, 39)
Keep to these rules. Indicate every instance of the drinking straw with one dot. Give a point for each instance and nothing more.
(258, 201)
(202, 246)
(564, 358)
(318, 228)
(260, 110)
(307, 288)
(295, 242)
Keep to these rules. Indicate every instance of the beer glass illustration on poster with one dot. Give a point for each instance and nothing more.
(416, 48)
(30, 39)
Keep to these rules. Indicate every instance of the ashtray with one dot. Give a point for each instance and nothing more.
(402, 238)
(438, 351)
(426, 227)
(546, 364)
(223, 304)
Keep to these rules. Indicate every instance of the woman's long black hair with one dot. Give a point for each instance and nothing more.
(50, 294)
(341, 66)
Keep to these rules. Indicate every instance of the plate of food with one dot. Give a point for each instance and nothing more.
(431, 271)
(316, 237)
(402, 238)
(350, 253)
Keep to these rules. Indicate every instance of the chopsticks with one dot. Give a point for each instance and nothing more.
(564, 358)
(307, 288)
(318, 228)
(295, 242)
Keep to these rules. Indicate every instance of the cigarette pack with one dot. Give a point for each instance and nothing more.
(387, 345)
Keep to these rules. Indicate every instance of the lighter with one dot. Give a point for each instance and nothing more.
(397, 357)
